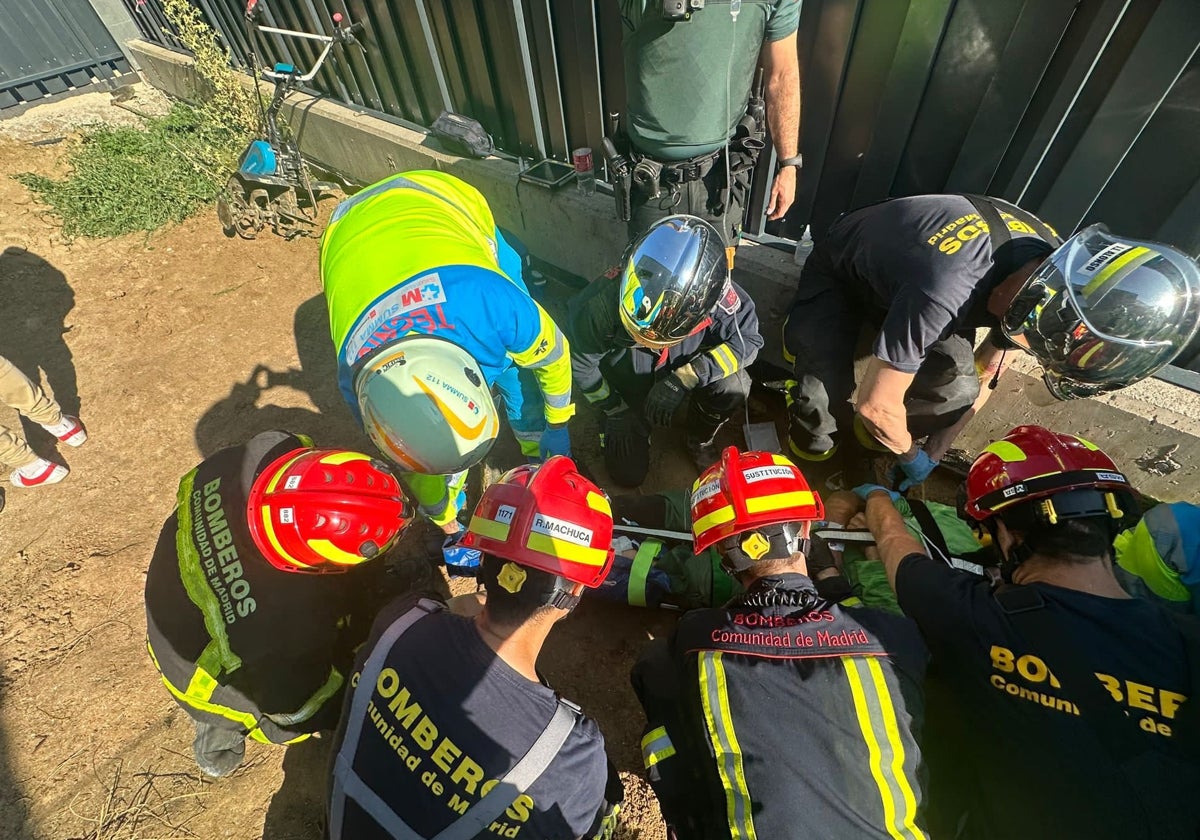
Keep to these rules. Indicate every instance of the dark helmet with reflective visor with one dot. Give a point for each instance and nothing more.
(1103, 312)
(674, 275)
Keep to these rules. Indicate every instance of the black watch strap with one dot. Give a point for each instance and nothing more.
(797, 161)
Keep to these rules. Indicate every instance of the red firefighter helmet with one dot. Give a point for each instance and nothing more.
(546, 517)
(1032, 463)
(751, 491)
(325, 510)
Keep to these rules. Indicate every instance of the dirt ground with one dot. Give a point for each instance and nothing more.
(170, 346)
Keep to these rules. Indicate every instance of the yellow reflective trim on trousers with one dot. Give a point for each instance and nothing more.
(1117, 269)
(568, 551)
(780, 501)
(872, 720)
(194, 581)
(656, 747)
(715, 699)
(489, 528)
(718, 517)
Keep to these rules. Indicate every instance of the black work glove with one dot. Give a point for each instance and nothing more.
(664, 400)
(621, 431)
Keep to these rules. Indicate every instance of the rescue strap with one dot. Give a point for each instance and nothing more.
(686, 536)
(999, 233)
(640, 570)
(347, 784)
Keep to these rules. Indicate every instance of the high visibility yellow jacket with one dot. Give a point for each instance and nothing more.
(419, 252)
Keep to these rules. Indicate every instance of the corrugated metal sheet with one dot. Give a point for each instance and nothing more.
(52, 46)
(1079, 110)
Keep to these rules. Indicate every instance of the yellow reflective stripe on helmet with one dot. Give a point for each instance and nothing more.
(718, 517)
(274, 482)
(194, 581)
(1006, 451)
(1087, 444)
(781, 460)
(598, 501)
(269, 530)
(780, 501)
(881, 733)
(728, 752)
(1116, 270)
(567, 551)
(489, 528)
(656, 747)
(337, 458)
(334, 554)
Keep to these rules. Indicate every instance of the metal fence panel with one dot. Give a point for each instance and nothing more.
(50, 46)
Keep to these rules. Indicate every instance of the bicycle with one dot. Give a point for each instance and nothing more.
(272, 185)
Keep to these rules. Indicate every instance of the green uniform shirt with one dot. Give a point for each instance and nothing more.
(687, 83)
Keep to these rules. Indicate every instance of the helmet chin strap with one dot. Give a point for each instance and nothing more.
(1017, 554)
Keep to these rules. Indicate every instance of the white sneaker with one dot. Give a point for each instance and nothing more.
(39, 473)
(69, 430)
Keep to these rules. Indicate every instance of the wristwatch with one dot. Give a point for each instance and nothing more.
(797, 161)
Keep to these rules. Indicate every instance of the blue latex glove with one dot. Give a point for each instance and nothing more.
(460, 560)
(555, 442)
(913, 472)
(864, 490)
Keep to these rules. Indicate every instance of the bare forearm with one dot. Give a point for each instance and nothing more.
(783, 111)
(892, 538)
(888, 425)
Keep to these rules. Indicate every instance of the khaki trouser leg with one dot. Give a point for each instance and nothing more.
(26, 397)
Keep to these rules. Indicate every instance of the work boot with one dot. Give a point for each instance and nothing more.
(38, 473)
(69, 430)
(218, 752)
(702, 438)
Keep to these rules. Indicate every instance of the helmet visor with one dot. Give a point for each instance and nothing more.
(1102, 312)
(673, 277)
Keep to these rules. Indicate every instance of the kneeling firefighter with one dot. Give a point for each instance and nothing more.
(429, 313)
(257, 593)
(668, 326)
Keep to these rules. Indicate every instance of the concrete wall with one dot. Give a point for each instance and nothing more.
(581, 235)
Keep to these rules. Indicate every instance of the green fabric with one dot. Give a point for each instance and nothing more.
(435, 494)
(197, 587)
(642, 562)
(696, 580)
(1138, 554)
(868, 578)
(687, 83)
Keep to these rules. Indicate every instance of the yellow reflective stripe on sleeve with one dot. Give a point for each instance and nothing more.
(715, 699)
(718, 517)
(312, 705)
(1116, 270)
(656, 747)
(568, 551)
(194, 581)
(885, 749)
(723, 356)
(780, 501)
(601, 392)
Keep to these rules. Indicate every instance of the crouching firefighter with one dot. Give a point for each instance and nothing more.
(668, 326)
(782, 714)
(259, 591)
(429, 313)
(449, 731)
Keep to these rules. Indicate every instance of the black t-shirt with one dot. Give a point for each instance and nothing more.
(455, 716)
(288, 629)
(1037, 765)
(924, 266)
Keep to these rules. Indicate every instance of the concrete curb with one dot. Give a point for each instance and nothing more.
(581, 235)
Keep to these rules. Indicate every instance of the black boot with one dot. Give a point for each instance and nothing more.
(702, 437)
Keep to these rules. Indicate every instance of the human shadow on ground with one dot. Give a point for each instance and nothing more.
(36, 301)
(297, 810)
(239, 416)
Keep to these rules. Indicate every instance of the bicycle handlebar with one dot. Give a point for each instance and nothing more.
(343, 33)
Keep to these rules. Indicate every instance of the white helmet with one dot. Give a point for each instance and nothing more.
(425, 404)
